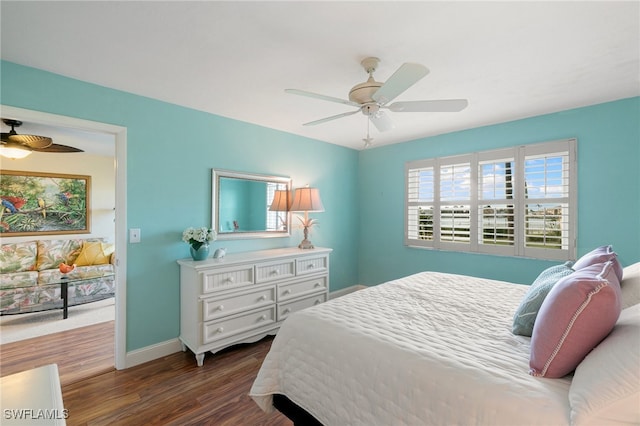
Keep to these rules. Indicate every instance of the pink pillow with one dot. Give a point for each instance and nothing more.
(577, 314)
(600, 255)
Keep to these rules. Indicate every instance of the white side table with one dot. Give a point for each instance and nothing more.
(32, 397)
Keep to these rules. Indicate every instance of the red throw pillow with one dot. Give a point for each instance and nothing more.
(578, 313)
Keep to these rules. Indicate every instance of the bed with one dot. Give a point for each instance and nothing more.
(438, 349)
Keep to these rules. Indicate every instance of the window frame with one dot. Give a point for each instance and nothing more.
(477, 201)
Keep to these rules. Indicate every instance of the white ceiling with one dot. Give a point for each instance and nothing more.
(511, 60)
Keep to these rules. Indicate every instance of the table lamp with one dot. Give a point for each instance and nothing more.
(306, 200)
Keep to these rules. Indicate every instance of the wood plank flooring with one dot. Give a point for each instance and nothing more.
(168, 391)
(79, 353)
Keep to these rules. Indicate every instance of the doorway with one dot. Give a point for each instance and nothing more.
(119, 135)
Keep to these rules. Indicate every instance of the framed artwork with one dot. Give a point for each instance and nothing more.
(36, 203)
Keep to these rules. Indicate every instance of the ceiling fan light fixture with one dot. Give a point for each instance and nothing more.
(14, 151)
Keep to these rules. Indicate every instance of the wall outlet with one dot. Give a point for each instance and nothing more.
(134, 235)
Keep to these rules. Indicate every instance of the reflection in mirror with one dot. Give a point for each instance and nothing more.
(246, 205)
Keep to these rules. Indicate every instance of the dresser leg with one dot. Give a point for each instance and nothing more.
(200, 359)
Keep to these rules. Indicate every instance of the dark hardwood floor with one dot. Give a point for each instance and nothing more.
(169, 391)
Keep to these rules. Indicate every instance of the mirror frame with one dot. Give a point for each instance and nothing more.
(216, 174)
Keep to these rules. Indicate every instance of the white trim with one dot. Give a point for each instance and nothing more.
(120, 135)
(345, 291)
(150, 353)
(159, 350)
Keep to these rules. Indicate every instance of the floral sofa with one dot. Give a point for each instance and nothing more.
(30, 275)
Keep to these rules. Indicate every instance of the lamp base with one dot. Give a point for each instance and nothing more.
(305, 244)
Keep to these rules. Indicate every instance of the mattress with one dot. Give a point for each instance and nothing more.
(427, 349)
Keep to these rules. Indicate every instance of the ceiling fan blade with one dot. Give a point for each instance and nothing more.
(406, 76)
(323, 97)
(443, 105)
(382, 121)
(55, 148)
(32, 141)
(333, 117)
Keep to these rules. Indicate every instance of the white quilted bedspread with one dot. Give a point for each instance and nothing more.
(428, 349)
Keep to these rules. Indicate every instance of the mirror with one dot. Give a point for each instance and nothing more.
(241, 204)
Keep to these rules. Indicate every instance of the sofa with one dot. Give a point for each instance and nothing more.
(30, 274)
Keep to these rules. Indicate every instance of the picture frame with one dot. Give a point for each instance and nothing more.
(35, 203)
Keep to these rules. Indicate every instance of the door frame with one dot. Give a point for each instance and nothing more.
(120, 136)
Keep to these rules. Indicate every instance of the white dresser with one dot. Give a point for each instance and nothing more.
(245, 296)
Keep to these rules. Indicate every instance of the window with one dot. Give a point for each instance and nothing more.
(519, 201)
(273, 220)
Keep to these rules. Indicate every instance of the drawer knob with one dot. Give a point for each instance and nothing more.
(310, 266)
(287, 292)
(286, 311)
(318, 301)
(219, 307)
(262, 318)
(220, 330)
(275, 272)
(318, 285)
(262, 298)
(231, 279)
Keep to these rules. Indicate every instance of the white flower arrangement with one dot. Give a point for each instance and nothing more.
(196, 237)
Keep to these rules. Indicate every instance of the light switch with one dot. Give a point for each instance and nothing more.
(134, 235)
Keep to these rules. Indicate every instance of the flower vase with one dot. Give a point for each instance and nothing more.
(201, 253)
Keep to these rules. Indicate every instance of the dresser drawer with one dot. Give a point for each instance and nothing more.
(287, 308)
(213, 308)
(217, 330)
(272, 271)
(227, 278)
(300, 288)
(312, 265)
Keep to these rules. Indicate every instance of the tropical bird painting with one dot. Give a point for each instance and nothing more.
(31, 203)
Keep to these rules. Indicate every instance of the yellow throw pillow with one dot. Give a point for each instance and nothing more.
(94, 253)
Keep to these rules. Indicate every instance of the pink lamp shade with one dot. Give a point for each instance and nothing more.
(307, 200)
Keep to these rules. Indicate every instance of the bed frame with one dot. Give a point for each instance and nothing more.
(293, 412)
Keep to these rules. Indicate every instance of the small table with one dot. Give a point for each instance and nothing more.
(66, 279)
(33, 397)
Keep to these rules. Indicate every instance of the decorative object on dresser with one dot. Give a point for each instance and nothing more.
(243, 297)
(198, 240)
(307, 200)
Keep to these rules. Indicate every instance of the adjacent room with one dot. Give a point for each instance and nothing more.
(306, 212)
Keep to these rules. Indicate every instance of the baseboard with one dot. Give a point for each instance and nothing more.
(347, 290)
(149, 353)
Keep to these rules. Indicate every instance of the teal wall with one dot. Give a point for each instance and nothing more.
(608, 192)
(170, 153)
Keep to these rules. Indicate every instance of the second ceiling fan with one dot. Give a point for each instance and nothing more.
(37, 143)
(372, 97)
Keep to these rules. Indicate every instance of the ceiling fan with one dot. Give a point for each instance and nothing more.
(13, 142)
(371, 97)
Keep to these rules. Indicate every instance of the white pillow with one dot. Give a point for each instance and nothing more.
(606, 385)
(630, 285)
